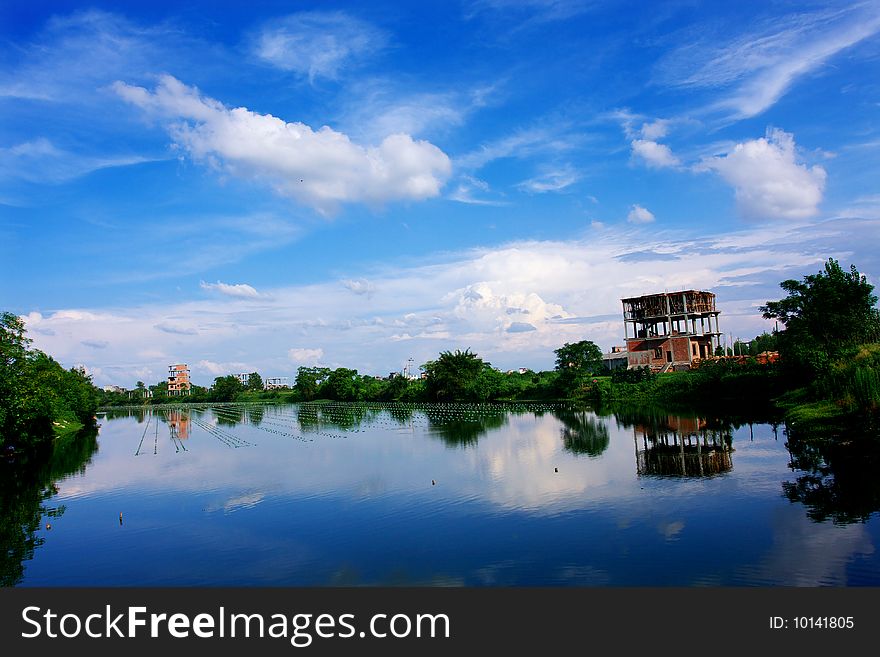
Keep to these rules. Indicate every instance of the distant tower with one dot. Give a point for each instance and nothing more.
(178, 379)
(670, 330)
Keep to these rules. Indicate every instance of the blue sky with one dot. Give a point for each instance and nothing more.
(273, 184)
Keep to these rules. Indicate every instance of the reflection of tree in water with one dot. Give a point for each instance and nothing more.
(462, 427)
(336, 415)
(582, 432)
(139, 412)
(229, 416)
(255, 414)
(401, 414)
(27, 483)
(835, 479)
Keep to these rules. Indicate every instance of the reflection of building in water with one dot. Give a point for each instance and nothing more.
(179, 423)
(681, 447)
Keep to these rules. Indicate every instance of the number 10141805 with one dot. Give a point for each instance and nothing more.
(812, 622)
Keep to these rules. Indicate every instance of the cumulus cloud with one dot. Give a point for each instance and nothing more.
(482, 307)
(305, 356)
(639, 215)
(653, 153)
(239, 291)
(768, 180)
(317, 44)
(318, 168)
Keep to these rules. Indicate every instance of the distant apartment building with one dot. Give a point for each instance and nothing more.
(178, 379)
(276, 383)
(244, 378)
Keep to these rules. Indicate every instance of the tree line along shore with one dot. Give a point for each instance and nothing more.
(828, 374)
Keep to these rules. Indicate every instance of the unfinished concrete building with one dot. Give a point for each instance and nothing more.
(178, 379)
(670, 330)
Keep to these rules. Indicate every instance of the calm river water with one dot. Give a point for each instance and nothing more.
(436, 495)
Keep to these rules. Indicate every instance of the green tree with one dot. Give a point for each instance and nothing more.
(341, 384)
(824, 314)
(453, 376)
(584, 357)
(226, 388)
(37, 395)
(255, 382)
(762, 343)
(308, 379)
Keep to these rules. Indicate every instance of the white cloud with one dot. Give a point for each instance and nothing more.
(239, 291)
(39, 160)
(654, 154)
(639, 215)
(655, 130)
(319, 168)
(551, 181)
(758, 68)
(768, 180)
(359, 286)
(222, 369)
(317, 44)
(522, 143)
(473, 191)
(568, 290)
(305, 356)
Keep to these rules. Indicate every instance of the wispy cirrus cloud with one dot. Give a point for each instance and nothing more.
(752, 71)
(74, 57)
(236, 290)
(317, 44)
(41, 161)
(522, 143)
(552, 179)
(318, 168)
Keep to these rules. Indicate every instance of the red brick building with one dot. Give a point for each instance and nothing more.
(670, 330)
(178, 379)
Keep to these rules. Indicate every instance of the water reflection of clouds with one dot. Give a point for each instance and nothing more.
(516, 470)
(523, 466)
(243, 501)
(805, 553)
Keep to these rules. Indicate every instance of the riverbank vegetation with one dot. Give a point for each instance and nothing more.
(39, 399)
